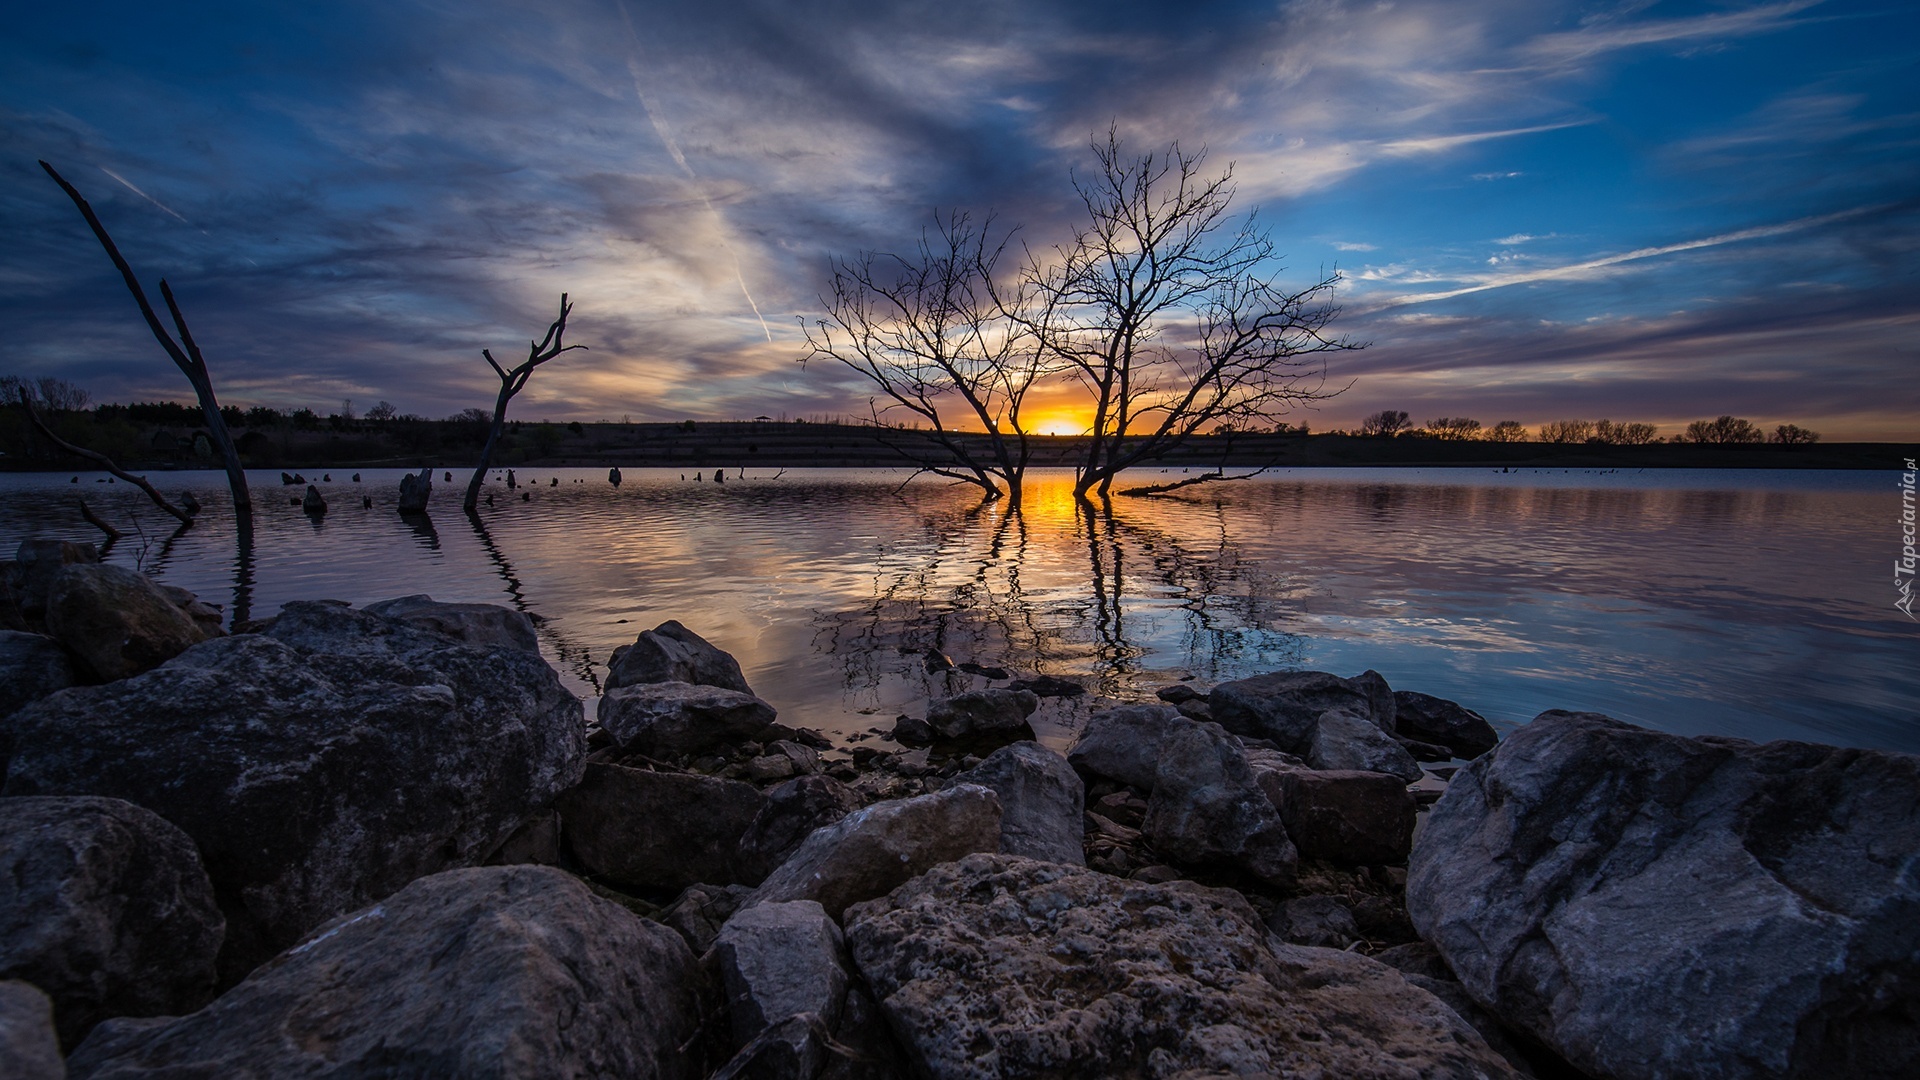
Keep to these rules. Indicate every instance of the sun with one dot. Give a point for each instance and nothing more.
(1060, 423)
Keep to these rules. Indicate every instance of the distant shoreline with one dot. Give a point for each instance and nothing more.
(800, 445)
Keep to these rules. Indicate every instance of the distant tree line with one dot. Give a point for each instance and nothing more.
(1394, 423)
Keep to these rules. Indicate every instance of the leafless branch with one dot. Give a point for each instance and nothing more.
(511, 383)
(103, 461)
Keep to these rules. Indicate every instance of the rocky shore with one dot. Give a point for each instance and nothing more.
(386, 841)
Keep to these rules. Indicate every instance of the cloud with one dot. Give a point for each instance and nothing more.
(1607, 36)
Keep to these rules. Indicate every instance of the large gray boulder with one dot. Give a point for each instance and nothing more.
(28, 1045)
(31, 667)
(1124, 744)
(495, 972)
(663, 719)
(1207, 807)
(983, 717)
(657, 831)
(1344, 816)
(1283, 705)
(672, 653)
(788, 815)
(1042, 801)
(779, 961)
(117, 620)
(1343, 739)
(1444, 723)
(1002, 967)
(874, 849)
(104, 906)
(485, 625)
(319, 766)
(1650, 905)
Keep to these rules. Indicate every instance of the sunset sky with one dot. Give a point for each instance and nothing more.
(1644, 211)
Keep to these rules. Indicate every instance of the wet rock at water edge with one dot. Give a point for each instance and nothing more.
(314, 503)
(1283, 706)
(317, 766)
(1343, 739)
(1124, 744)
(1041, 802)
(106, 908)
(1442, 722)
(672, 653)
(657, 831)
(532, 976)
(983, 717)
(35, 564)
(1048, 686)
(1654, 905)
(997, 966)
(664, 719)
(874, 849)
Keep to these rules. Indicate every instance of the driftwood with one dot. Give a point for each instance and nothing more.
(104, 462)
(185, 353)
(94, 520)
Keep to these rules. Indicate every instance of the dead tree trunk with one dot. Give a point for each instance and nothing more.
(185, 354)
(511, 382)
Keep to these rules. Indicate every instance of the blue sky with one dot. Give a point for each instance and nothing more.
(1644, 211)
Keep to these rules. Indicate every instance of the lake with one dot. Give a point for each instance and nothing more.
(1754, 603)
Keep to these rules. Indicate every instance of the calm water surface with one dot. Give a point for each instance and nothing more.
(1749, 603)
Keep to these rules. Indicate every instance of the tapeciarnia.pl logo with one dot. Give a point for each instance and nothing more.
(1903, 566)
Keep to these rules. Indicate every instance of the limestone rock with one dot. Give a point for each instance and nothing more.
(1445, 723)
(105, 907)
(672, 653)
(31, 667)
(778, 961)
(28, 1046)
(1002, 967)
(1041, 802)
(874, 849)
(116, 619)
(983, 717)
(790, 814)
(1343, 739)
(484, 625)
(1207, 807)
(700, 911)
(1653, 905)
(1344, 816)
(657, 831)
(1282, 706)
(1124, 744)
(662, 719)
(530, 976)
(318, 766)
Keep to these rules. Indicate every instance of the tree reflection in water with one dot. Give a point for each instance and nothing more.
(1163, 593)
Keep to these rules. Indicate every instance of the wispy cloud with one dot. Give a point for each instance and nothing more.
(1607, 36)
(1593, 267)
(1437, 144)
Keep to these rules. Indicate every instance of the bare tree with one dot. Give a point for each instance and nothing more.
(511, 383)
(1624, 434)
(1507, 431)
(1454, 428)
(105, 462)
(1793, 435)
(1384, 424)
(1171, 315)
(1726, 429)
(945, 345)
(1566, 431)
(185, 354)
